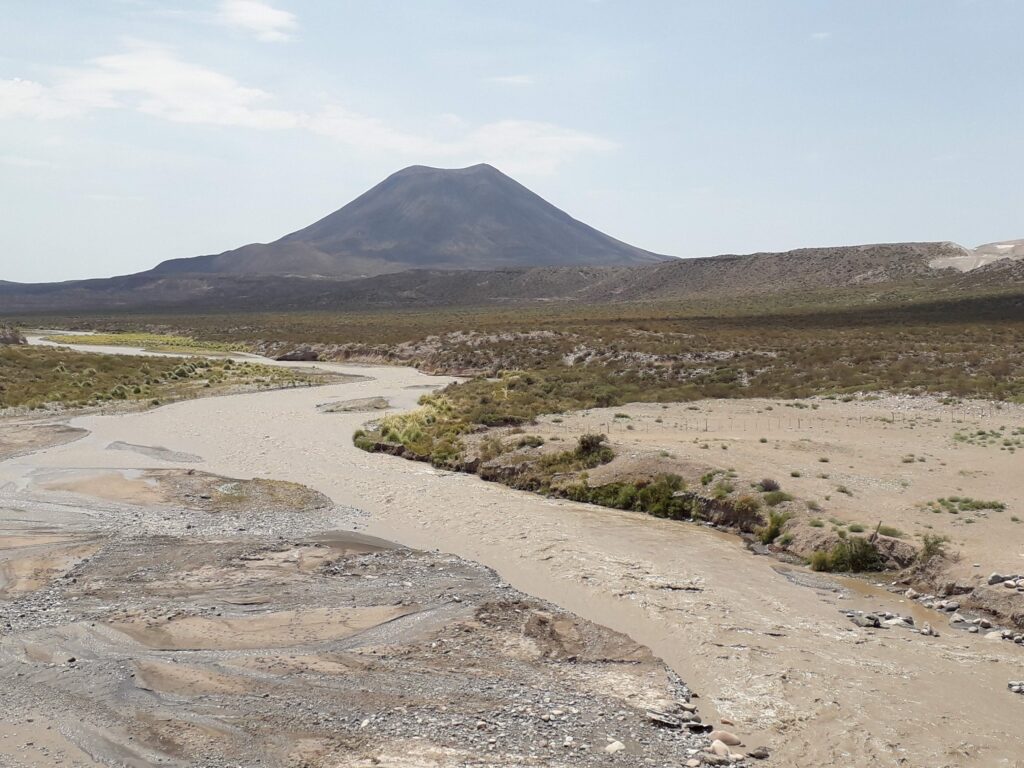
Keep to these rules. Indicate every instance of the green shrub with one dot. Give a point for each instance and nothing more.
(820, 561)
(590, 445)
(770, 532)
(932, 546)
(722, 489)
(747, 505)
(774, 498)
(855, 553)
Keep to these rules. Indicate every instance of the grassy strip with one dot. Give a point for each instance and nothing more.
(37, 377)
(152, 342)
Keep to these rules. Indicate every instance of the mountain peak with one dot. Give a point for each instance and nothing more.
(421, 217)
(479, 168)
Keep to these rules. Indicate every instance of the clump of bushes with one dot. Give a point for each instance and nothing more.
(530, 441)
(932, 546)
(774, 498)
(956, 504)
(657, 497)
(771, 531)
(722, 489)
(850, 554)
(592, 448)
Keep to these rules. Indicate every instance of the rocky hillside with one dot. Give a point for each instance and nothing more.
(872, 267)
(427, 218)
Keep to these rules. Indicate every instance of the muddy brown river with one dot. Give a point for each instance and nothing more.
(773, 655)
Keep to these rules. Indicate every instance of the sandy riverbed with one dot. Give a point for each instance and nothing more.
(772, 655)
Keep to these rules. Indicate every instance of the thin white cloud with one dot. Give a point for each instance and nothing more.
(152, 80)
(149, 79)
(821, 36)
(26, 98)
(260, 19)
(519, 80)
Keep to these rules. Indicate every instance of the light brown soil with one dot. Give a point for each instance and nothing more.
(266, 630)
(893, 455)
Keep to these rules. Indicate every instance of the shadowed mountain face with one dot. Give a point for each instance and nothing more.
(874, 269)
(428, 218)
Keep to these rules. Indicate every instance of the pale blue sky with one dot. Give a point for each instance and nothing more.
(132, 131)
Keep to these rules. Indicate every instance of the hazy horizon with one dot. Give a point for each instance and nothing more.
(143, 131)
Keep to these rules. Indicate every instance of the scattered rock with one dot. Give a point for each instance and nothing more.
(615, 746)
(663, 719)
(719, 748)
(729, 739)
(302, 354)
(760, 753)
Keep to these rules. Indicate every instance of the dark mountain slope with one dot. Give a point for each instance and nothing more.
(428, 218)
(763, 274)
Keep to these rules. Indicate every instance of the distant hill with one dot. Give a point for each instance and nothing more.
(1013, 249)
(982, 256)
(427, 218)
(875, 268)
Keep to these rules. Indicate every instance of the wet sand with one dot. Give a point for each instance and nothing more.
(775, 657)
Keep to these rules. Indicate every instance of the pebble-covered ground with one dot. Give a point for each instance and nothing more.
(222, 624)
